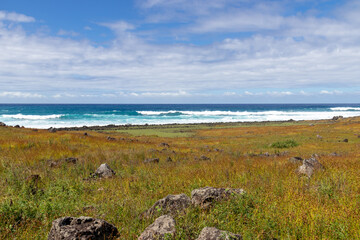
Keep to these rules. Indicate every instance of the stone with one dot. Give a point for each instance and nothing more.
(164, 145)
(203, 158)
(86, 134)
(334, 154)
(71, 160)
(211, 233)
(335, 118)
(52, 130)
(17, 126)
(345, 140)
(204, 197)
(82, 228)
(110, 138)
(296, 159)
(309, 166)
(104, 171)
(169, 159)
(163, 227)
(171, 204)
(2, 124)
(152, 160)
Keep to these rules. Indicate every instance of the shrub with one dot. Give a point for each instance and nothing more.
(284, 144)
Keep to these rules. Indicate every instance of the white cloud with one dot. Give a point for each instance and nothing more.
(15, 17)
(62, 32)
(20, 95)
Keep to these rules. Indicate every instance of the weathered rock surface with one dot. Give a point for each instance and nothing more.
(162, 227)
(211, 233)
(2, 124)
(296, 159)
(104, 171)
(152, 160)
(52, 130)
(82, 228)
(309, 166)
(171, 204)
(204, 197)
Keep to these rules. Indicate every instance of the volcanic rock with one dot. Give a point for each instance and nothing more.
(171, 204)
(211, 233)
(204, 197)
(162, 227)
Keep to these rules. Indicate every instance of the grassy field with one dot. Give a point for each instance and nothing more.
(278, 203)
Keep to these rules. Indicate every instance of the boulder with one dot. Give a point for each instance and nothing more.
(52, 130)
(110, 138)
(204, 197)
(203, 158)
(171, 204)
(71, 160)
(211, 233)
(309, 166)
(104, 171)
(296, 159)
(82, 228)
(17, 126)
(2, 124)
(152, 160)
(345, 140)
(335, 118)
(164, 144)
(163, 227)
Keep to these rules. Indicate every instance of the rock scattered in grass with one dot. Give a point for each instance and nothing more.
(296, 159)
(309, 166)
(52, 130)
(169, 159)
(163, 227)
(171, 204)
(104, 171)
(335, 118)
(204, 197)
(211, 233)
(152, 160)
(334, 154)
(164, 145)
(82, 228)
(345, 140)
(110, 138)
(203, 158)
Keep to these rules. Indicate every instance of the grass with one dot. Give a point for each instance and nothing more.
(278, 203)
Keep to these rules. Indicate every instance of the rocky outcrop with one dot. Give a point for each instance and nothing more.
(104, 171)
(152, 160)
(82, 228)
(204, 197)
(309, 166)
(163, 227)
(211, 233)
(2, 124)
(171, 204)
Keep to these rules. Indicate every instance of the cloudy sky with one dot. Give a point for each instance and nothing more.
(179, 51)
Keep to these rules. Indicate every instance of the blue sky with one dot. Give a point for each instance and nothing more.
(179, 51)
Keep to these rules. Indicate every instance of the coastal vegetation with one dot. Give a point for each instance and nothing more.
(47, 175)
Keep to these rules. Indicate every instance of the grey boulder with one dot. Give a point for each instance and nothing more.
(171, 204)
(104, 171)
(204, 197)
(163, 227)
(211, 233)
(82, 228)
(309, 166)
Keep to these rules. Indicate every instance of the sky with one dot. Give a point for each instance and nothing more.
(179, 51)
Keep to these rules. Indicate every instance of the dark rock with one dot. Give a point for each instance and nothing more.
(309, 166)
(164, 145)
(296, 159)
(104, 171)
(71, 160)
(335, 118)
(266, 154)
(203, 158)
(52, 130)
(204, 197)
(152, 160)
(163, 227)
(211, 233)
(110, 138)
(171, 204)
(334, 154)
(86, 134)
(82, 228)
(16, 126)
(2, 124)
(345, 140)
(169, 159)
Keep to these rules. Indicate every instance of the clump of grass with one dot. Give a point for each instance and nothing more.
(285, 144)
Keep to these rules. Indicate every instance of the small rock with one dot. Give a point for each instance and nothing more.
(203, 158)
(86, 134)
(266, 154)
(211, 233)
(82, 228)
(2, 124)
(169, 159)
(171, 204)
(335, 118)
(345, 140)
(71, 160)
(152, 160)
(296, 159)
(104, 171)
(110, 138)
(17, 126)
(309, 166)
(205, 196)
(163, 227)
(164, 145)
(334, 154)
(52, 130)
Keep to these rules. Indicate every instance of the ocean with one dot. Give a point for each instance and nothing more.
(77, 115)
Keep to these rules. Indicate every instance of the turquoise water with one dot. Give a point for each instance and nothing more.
(69, 115)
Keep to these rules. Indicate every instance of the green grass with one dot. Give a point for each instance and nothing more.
(284, 144)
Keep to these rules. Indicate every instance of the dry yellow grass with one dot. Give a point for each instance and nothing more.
(278, 203)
